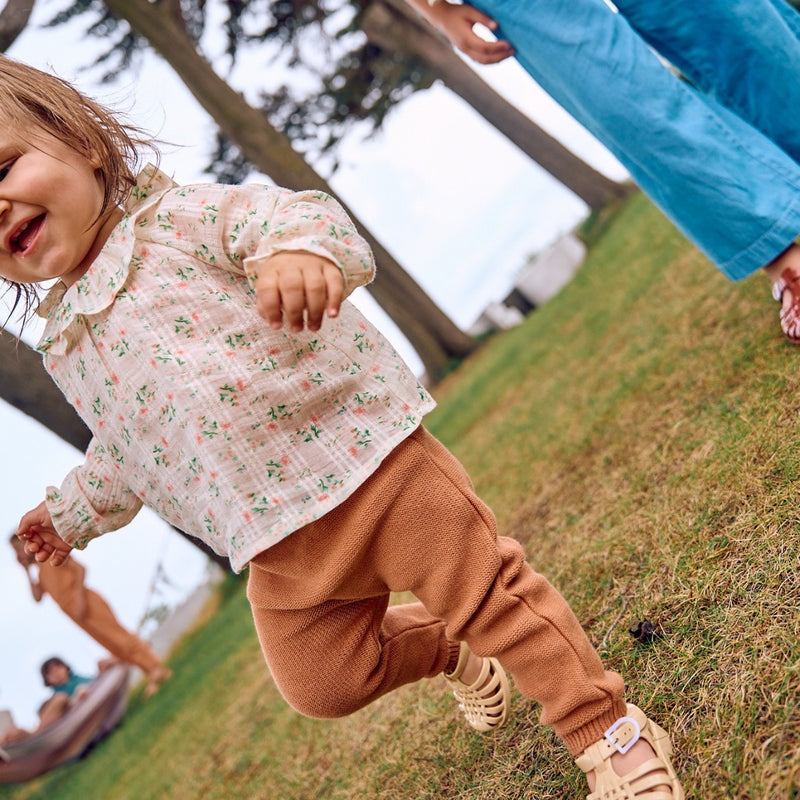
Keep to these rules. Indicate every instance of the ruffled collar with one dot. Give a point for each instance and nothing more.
(98, 287)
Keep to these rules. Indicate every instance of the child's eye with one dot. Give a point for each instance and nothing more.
(5, 168)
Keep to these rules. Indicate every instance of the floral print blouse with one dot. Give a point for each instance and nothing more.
(232, 432)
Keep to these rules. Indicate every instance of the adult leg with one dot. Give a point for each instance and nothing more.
(751, 65)
(102, 625)
(728, 187)
(746, 53)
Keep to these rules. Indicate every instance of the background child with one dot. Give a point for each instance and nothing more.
(201, 333)
(87, 609)
(720, 155)
(67, 689)
(58, 675)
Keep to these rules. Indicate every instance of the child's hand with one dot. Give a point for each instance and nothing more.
(41, 540)
(301, 285)
(456, 22)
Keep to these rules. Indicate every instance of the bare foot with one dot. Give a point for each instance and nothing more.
(155, 678)
(787, 289)
(788, 258)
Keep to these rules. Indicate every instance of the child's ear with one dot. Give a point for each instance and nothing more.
(94, 159)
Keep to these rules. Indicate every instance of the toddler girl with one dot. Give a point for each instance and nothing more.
(201, 333)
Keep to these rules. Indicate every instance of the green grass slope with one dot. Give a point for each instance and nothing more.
(639, 435)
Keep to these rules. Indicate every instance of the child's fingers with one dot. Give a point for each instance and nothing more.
(334, 282)
(33, 518)
(299, 288)
(269, 299)
(316, 297)
(324, 293)
(292, 287)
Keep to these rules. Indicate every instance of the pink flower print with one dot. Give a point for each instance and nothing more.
(247, 516)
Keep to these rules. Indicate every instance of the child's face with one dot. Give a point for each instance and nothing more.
(50, 197)
(56, 674)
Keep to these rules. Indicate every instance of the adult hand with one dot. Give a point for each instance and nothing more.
(457, 23)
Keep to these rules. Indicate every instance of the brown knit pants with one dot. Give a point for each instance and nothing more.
(320, 601)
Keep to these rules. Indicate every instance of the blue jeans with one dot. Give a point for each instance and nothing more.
(720, 156)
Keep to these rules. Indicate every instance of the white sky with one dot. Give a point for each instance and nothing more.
(456, 204)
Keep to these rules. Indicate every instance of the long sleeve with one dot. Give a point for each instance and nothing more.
(92, 500)
(231, 431)
(240, 225)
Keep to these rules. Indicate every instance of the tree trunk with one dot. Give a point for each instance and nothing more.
(393, 24)
(25, 384)
(13, 19)
(431, 333)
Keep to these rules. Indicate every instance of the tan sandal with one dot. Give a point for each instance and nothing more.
(789, 281)
(641, 782)
(485, 702)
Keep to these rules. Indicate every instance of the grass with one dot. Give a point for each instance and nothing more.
(639, 435)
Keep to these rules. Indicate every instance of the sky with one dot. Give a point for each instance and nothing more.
(458, 206)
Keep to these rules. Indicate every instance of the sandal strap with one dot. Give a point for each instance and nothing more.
(640, 782)
(485, 702)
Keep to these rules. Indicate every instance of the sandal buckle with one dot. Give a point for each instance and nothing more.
(615, 740)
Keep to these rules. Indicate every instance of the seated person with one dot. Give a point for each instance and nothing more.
(67, 689)
(58, 675)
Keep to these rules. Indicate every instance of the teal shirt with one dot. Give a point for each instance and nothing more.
(71, 685)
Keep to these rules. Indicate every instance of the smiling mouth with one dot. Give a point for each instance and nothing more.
(23, 237)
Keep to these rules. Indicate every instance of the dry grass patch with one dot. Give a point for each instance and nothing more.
(639, 435)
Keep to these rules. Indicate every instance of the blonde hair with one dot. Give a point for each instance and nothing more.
(32, 100)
